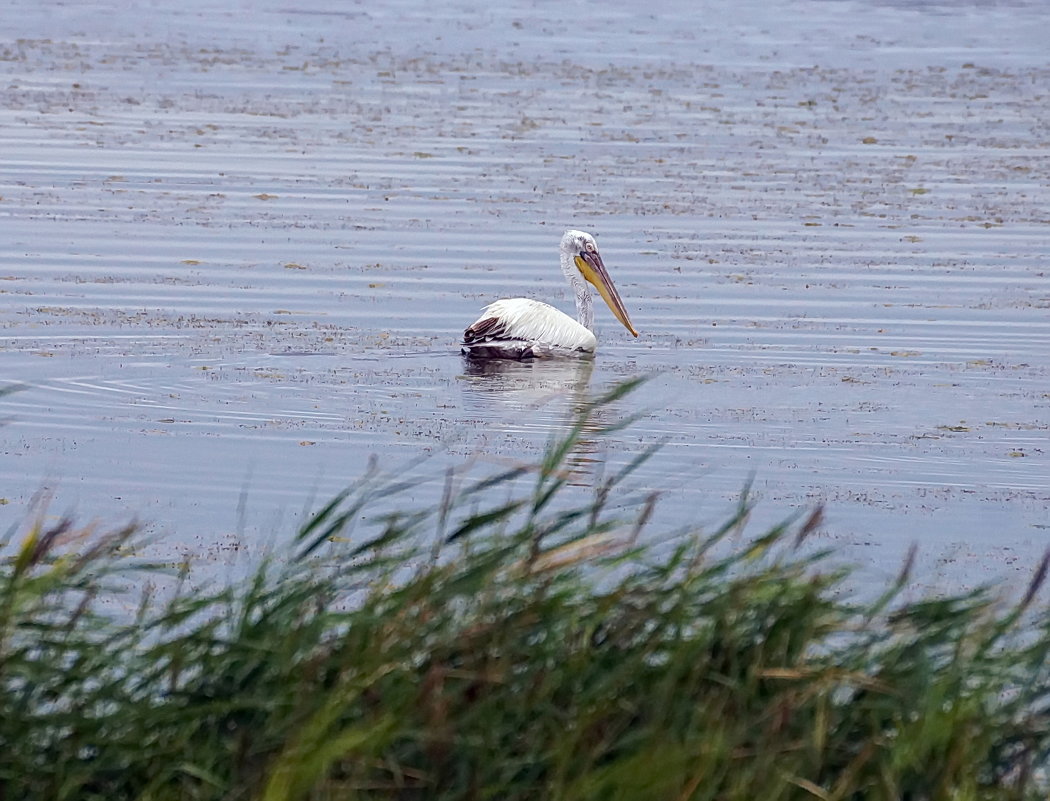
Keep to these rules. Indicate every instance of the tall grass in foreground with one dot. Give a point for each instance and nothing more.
(515, 643)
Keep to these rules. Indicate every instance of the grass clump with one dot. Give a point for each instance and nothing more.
(515, 643)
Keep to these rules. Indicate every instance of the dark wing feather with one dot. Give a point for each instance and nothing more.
(491, 328)
(488, 339)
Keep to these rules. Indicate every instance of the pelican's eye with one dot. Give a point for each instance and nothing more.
(589, 247)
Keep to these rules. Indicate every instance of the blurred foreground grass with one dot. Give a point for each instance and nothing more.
(515, 643)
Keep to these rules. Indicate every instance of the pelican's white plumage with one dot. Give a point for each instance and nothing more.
(520, 328)
(532, 324)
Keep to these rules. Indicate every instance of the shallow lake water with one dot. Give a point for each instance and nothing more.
(240, 242)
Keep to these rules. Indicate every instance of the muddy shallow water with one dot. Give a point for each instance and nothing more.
(239, 245)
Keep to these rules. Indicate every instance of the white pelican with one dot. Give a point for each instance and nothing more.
(519, 328)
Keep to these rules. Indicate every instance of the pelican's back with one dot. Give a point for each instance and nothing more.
(520, 328)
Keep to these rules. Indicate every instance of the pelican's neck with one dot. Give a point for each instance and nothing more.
(584, 308)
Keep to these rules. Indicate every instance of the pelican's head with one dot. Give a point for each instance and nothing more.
(582, 252)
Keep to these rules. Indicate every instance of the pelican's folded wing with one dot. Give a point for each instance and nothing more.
(520, 328)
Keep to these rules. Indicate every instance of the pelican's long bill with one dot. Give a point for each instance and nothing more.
(591, 266)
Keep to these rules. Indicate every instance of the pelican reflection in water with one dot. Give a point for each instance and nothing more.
(520, 328)
(528, 399)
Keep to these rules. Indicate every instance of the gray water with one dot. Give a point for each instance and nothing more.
(239, 242)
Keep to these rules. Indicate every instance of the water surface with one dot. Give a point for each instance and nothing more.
(240, 243)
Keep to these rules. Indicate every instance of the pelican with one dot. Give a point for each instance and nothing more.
(520, 328)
